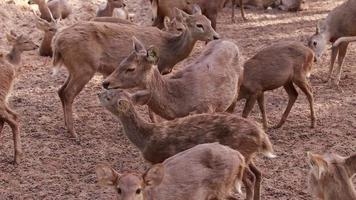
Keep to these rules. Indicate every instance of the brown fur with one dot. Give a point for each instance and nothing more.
(100, 47)
(49, 29)
(282, 64)
(107, 9)
(59, 9)
(263, 4)
(291, 5)
(160, 141)
(206, 171)
(341, 22)
(330, 176)
(209, 84)
(7, 76)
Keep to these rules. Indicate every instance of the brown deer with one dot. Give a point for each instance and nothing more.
(59, 9)
(340, 22)
(100, 47)
(209, 84)
(160, 9)
(283, 64)
(109, 8)
(49, 29)
(291, 5)
(330, 176)
(159, 141)
(8, 62)
(206, 171)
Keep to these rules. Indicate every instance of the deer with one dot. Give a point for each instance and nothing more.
(210, 83)
(284, 64)
(340, 22)
(57, 9)
(49, 29)
(101, 46)
(291, 5)
(160, 9)
(159, 141)
(8, 63)
(330, 176)
(206, 171)
(114, 8)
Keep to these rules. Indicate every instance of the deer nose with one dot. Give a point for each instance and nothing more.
(106, 84)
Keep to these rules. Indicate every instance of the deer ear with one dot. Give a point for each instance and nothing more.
(10, 38)
(138, 47)
(106, 175)
(180, 14)
(197, 9)
(153, 55)
(320, 27)
(154, 176)
(317, 163)
(166, 23)
(350, 163)
(141, 97)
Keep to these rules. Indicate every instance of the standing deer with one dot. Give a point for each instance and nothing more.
(283, 64)
(100, 47)
(57, 9)
(159, 141)
(330, 176)
(206, 171)
(340, 23)
(7, 75)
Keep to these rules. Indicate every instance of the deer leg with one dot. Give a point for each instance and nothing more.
(61, 93)
(261, 104)
(11, 120)
(334, 52)
(293, 95)
(341, 57)
(14, 115)
(258, 181)
(1, 125)
(233, 5)
(249, 180)
(250, 102)
(73, 88)
(231, 108)
(304, 86)
(242, 10)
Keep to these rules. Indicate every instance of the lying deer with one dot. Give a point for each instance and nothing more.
(291, 5)
(330, 176)
(340, 22)
(7, 68)
(59, 9)
(209, 84)
(206, 171)
(114, 8)
(99, 47)
(283, 64)
(159, 141)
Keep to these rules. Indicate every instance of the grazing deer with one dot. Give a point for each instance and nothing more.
(99, 47)
(159, 141)
(57, 9)
(7, 75)
(340, 22)
(209, 84)
(330, 176)
(49, 29)
(206, 171)
(283, 64)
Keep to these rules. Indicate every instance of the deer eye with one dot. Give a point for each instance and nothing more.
(130, 70)
(119, 190)
(200, 26)
(138, 191)
(314, 43)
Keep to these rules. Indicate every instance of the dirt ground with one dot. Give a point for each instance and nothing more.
(55, 167)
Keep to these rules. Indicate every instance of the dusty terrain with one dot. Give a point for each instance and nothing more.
(55, 167)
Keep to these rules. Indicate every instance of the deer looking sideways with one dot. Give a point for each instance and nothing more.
(340, 23)
(59, 9)
(330, 176)
(19, 44)
(101, 46)
(114, 8)
(282, 64)
(206, 171)
(159, 141)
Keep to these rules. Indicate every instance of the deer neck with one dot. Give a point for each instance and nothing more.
(109, 9)
(136, 129)
(14, 56)
(45, 12)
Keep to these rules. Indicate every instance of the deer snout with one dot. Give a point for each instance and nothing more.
(106, 84)
(216, 36)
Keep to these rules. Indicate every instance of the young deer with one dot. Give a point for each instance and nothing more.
(49, 29)
(341, 22)
(59, 9)
(99, 47)
(330, 176)
(159, 141)
(206, 171)
(282, 64)
(108, 9)
(7, 68)
(209, 84)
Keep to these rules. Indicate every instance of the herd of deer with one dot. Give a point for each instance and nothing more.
(202, 151)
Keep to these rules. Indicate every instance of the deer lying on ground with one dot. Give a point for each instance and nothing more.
(206, 171)
(282, 64)
(330, 176)
(7, 75)
(341, 22)
(99, 47)
(159, 141)
(59, 9)
(114, 8)
(210, 9)
(209, 84)
(291, 5)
